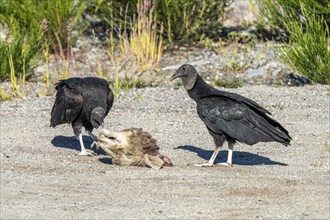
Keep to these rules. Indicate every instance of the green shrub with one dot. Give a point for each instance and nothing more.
(278, 12)
(20, 46)
(113, 12)
(183, 20)
(227, 83)
(186, 20)
(29, 15)
(62, 16)
(25, 37)
(307, 23)
(308, 50)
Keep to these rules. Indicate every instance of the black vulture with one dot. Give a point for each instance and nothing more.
(228, 116)
(83, 102)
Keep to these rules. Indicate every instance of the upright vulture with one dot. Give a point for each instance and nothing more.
(228, 116)
(82, 102)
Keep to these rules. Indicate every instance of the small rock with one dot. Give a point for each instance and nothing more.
(256, 72)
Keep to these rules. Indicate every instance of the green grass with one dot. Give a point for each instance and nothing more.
(307, 24)
(279, 12)
(42, 30)
(117, 86)
(139, 96)
(4, 96)
(327, 147)
(31, 25)
(316, 165)
(234, 83)
(184, 21)
(125, 84)
(30, 14)
(235, 66)
(20, 46)
(307, 51)
(142, 46)
(144, 41)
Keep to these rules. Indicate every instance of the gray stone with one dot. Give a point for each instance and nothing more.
(256, 72)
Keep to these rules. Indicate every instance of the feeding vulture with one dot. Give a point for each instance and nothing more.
(228, 116)
(83, 102)
(132, 147)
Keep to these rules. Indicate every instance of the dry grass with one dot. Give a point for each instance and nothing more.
(142, 46)
(13, 79)
(144, 41)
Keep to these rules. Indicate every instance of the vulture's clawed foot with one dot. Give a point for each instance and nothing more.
(204, 165)
(226, 164)
(88, 154)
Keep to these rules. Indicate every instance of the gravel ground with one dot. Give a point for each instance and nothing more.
(42, 177)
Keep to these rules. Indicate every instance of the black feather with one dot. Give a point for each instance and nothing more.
(234, 116)
(83, 102)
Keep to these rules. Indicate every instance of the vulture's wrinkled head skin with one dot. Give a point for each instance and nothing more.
(188, 74)
(97, 116)
(132, 147)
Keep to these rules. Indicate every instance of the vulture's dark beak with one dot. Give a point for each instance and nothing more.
(176, 75)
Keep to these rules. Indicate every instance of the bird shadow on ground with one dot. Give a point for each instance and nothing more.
(73, 143)
(239, 157)
(106, 160)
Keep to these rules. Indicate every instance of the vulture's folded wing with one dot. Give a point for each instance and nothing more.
(110, 100)
(68, 104)
(239, 121)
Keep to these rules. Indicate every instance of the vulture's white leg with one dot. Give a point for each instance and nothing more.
(218, 141)
(230, 155)
(83, 151)
(210, 163)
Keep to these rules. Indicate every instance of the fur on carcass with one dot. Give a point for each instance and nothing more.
(132, 147)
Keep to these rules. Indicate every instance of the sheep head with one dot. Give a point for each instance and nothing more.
(132, 147)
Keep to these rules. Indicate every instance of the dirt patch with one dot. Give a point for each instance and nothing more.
(43, 177)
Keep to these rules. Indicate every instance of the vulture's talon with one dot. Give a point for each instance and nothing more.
(204, 165)
(226, 164)
(88, 154)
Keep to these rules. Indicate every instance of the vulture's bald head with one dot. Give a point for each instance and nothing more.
(188, 74)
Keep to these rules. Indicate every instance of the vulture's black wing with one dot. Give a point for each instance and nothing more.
(110, 100)
(68, 104)
(238, 98)
(240, 121)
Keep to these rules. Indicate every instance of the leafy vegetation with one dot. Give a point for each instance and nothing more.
(30, 14)
(139, 30)
(234, 83)
(186, 20)
(142, 45)
(308, 50)
(28, 28)
(19, 46)
(33, 29)
(183, 20)
(4, 96)
(279, 12)
(307, 23)
(327, 146)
